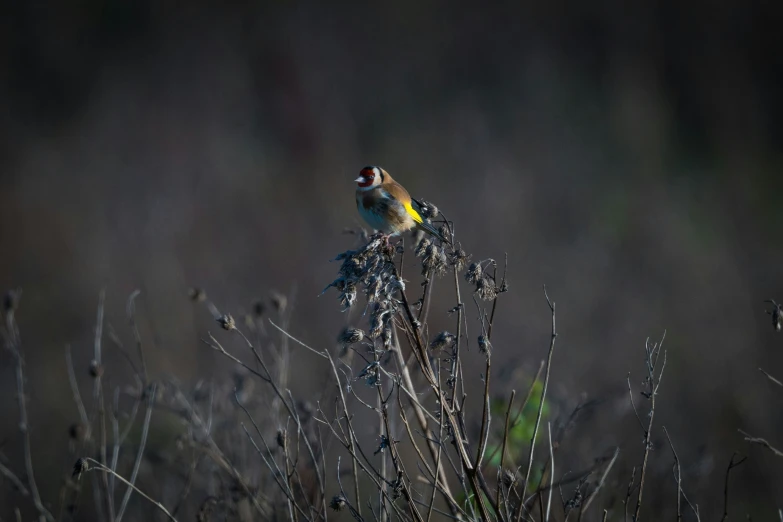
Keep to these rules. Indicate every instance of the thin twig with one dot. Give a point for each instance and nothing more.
(101, 467)
(731, 466)
(15, 347)
(761, 442)
(144, 432)
(679, 475)
(540, 404)
(552, 472)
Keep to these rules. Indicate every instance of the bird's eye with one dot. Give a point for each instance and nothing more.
(368, 173)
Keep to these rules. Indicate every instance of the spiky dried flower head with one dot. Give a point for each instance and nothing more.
(421, 247)
(259, 308)
(337, 503)
(367, 269)
(442, 341)
(80, 467)
(509, 477)
(281, 438)
(474, 273)
(350, 335)
(428, 210)
(433, 260)
(445, 232)
(486, 288)
(459, 259)
(227, 322)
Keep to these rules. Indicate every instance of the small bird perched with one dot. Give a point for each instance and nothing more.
(387, 207)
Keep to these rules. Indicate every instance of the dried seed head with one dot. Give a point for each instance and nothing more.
(347, 296)
(80, 467)
(421, 247)
(96, 370)
(227, 322)
(474, 273)
(442, 341)
(434, 261)
(337, 503)
(428, 210)
(197, 295)
(259, 308)
(350, 336)
(459, 259)
(445, 232)
(281, 439)
(486, 289)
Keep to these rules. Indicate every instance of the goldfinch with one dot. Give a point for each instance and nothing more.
(387, 207)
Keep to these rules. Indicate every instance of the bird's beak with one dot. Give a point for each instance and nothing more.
(359, 179)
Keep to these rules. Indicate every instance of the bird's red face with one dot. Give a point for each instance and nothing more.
(368, 177)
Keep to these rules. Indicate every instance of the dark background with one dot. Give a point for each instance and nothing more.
(628, 156)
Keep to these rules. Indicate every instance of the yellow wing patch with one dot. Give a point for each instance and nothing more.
(412, 212)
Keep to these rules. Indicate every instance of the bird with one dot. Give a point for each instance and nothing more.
(387, 207)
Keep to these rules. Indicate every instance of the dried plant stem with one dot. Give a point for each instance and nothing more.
(601, 482)
(75, 390)
(761, 442)
(101, 467)
(553, 337)
(14, 345)
(139, 455)
(551, 473)
(130, 310)
(732, 465)
(652, 359)
(503, 446)
(419, 412)
(679, 475)
(521, 407)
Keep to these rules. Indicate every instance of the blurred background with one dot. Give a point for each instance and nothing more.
(627, 156)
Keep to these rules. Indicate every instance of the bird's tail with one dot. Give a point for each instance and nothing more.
(427, 227)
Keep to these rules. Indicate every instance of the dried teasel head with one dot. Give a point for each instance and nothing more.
(80, 467)
(509, 477)
(350, 336)
(459, 259)
(442, 341)
(474, 273)
(227, 322)
(486, 289)
(434, 260)
(428, 210)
